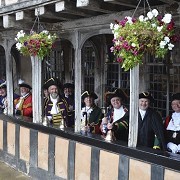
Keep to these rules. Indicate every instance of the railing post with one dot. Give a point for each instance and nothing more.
(9, 78)
(37, 88)
(134, 99)
(77, 82)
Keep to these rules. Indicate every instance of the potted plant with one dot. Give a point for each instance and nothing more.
(133, 37)
(35, 44)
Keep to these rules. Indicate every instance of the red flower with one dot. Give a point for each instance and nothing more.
(119, 59)
(170, 26)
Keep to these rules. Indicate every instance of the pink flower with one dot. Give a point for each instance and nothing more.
(118, 48)
(119, 59)
(135, 52)
(112, 49)
(123, 22)
(121, 38)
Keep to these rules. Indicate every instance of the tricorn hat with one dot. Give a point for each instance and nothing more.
(21, 83)
(2, 84)
(68, 85)
(50, 82)
(175, 97)
(117, 93)
(146, 95)
(88, 94)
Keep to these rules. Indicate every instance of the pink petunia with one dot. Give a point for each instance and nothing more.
(119, 59)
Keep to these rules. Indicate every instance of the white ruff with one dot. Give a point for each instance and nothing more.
(118, 114)
(54, 109)
(174, 124)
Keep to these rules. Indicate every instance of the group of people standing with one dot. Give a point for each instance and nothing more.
(152, 131)
(60, 107)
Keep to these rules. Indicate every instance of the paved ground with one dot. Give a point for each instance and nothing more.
(8, 173)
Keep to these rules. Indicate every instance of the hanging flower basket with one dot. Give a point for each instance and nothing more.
(35, 44)
(133, 38)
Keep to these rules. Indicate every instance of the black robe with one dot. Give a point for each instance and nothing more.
(150, 127)
(95, 118)
(121, 126)
(71, 114)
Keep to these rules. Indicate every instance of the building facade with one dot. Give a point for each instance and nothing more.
(81, 56)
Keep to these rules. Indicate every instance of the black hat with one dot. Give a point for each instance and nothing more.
(21, 83)
(117, 93)
(175, 97)
(89, 94)
(2, 84)
(68, 85)
(146, 95)
(50, 82)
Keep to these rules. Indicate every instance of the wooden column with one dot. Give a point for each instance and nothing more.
(77, 82)
(36, 88)
(9, 78)
(134, 108)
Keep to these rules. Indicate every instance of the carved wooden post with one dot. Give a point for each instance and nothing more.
(77, 83)
(9, 79)
(134, 99)
(37, 88)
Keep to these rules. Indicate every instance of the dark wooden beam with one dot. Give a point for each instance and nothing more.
(123, 3)
(168, 1)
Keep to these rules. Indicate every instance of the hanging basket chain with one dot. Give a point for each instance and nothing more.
(145, 1)
(37, 20)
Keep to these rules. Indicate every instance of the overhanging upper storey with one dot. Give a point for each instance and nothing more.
(21, 13)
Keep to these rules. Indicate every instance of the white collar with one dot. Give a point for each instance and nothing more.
(174, 123)
(142, 113)
(118, 113)
(25, 95)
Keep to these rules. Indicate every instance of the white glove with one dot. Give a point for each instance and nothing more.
(173, 147)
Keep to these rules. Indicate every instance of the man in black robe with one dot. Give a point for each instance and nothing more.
(68, 95)
(150, 124)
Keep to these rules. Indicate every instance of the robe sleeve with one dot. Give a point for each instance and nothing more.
(122, 124)
(158, 128)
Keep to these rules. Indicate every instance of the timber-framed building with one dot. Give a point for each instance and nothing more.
(82, 56)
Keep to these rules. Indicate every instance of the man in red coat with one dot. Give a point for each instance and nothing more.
(23, 105)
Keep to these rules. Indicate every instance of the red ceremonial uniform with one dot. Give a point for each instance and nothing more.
(25, 105)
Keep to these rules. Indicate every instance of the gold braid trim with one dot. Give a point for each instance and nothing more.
(123, 124)
(27, 105)
(21, 104)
